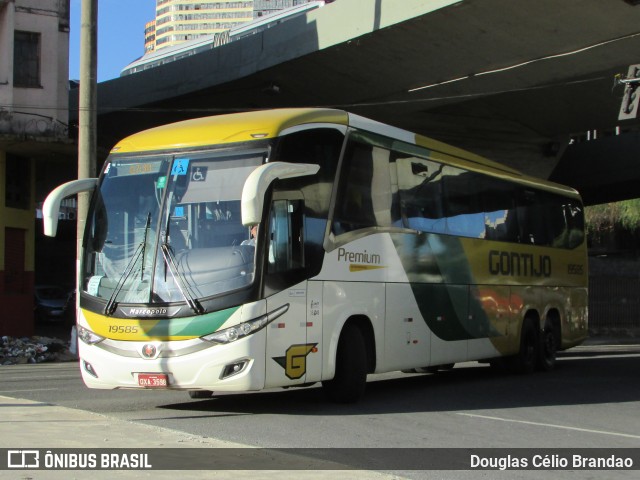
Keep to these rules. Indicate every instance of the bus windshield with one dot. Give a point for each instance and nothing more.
(167, 228)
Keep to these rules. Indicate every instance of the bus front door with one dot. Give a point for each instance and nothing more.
(288, 350)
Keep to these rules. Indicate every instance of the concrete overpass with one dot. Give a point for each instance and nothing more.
(514, 80)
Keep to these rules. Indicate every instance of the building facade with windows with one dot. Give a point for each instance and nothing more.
(265, 7)
(34, 46)
(150, 36)
(179, 21)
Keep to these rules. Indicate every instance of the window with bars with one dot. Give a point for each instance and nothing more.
(17, 182)
(26, 59)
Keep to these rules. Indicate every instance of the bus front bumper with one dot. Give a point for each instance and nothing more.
(233, 367)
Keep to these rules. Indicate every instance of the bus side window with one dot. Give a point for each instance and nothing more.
(286, 240)
(462, 204)
(354, 209)
(536, 213)
(498, 199)
(420, 191)
(574, 214)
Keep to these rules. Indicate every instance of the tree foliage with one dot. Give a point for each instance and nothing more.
(614, 226)
(623, 215)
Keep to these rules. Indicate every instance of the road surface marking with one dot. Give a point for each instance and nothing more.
(51, 377)
(29, 390)
(564, 427)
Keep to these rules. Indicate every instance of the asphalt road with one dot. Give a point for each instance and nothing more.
(591, 400)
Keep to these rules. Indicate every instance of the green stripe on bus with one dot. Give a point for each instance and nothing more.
(440, 277)
(192, 326)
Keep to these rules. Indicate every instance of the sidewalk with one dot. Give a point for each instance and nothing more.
(620, 336)
(32, 425)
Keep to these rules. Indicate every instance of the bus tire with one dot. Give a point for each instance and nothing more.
(548, 348)
(526, 359)
(498, 364)
(200, 394)
(348, 384)
(437, 368)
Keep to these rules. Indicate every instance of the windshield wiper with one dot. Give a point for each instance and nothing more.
(169, 259)
(144, 244)
(170, 263)
(140, 250)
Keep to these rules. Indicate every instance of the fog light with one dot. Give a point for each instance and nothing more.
(89, 369)
(233, 369)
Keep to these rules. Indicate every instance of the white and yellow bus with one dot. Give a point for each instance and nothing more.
(287, 247)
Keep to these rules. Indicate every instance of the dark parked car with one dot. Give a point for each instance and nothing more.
(50, 303)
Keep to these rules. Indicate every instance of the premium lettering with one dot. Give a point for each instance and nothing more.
(358, 257)
(519, 264)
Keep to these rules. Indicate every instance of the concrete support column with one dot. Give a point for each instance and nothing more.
(88, 104)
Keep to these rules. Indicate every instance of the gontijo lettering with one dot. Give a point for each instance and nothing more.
(519, 264)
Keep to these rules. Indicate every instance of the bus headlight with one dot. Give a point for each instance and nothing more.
(243, 329)
(237, 332)
(88, 337)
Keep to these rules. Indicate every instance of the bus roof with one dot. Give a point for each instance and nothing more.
(255, 125)
(225, 129)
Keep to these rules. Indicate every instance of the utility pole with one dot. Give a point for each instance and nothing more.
(88, 111)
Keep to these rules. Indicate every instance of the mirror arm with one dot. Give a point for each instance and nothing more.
(51, 206)
(258, 182)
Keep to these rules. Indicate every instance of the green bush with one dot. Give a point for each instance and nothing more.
(607, 223)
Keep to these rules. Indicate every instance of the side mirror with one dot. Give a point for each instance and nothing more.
(51, 206)
(257, 183)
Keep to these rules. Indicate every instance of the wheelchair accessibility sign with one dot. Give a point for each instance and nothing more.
(199, 174)
(180, 166)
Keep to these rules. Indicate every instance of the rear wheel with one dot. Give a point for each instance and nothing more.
(548, 348)
(525, 360)
(348, 384)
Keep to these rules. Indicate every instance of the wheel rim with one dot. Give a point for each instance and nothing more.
(548, 346)
(530, 349)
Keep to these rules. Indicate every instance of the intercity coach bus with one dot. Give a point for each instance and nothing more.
(287, 247)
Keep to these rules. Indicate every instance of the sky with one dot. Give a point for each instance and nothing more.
(120, 35)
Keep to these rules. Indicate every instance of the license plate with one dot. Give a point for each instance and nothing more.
(153, 380)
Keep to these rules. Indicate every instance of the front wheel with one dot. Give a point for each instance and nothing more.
(348, 384)
(196, 394)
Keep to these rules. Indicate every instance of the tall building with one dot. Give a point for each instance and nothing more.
(181, 20)
(178, 21)
(34, 71)
(265, 7)
(150, 36)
